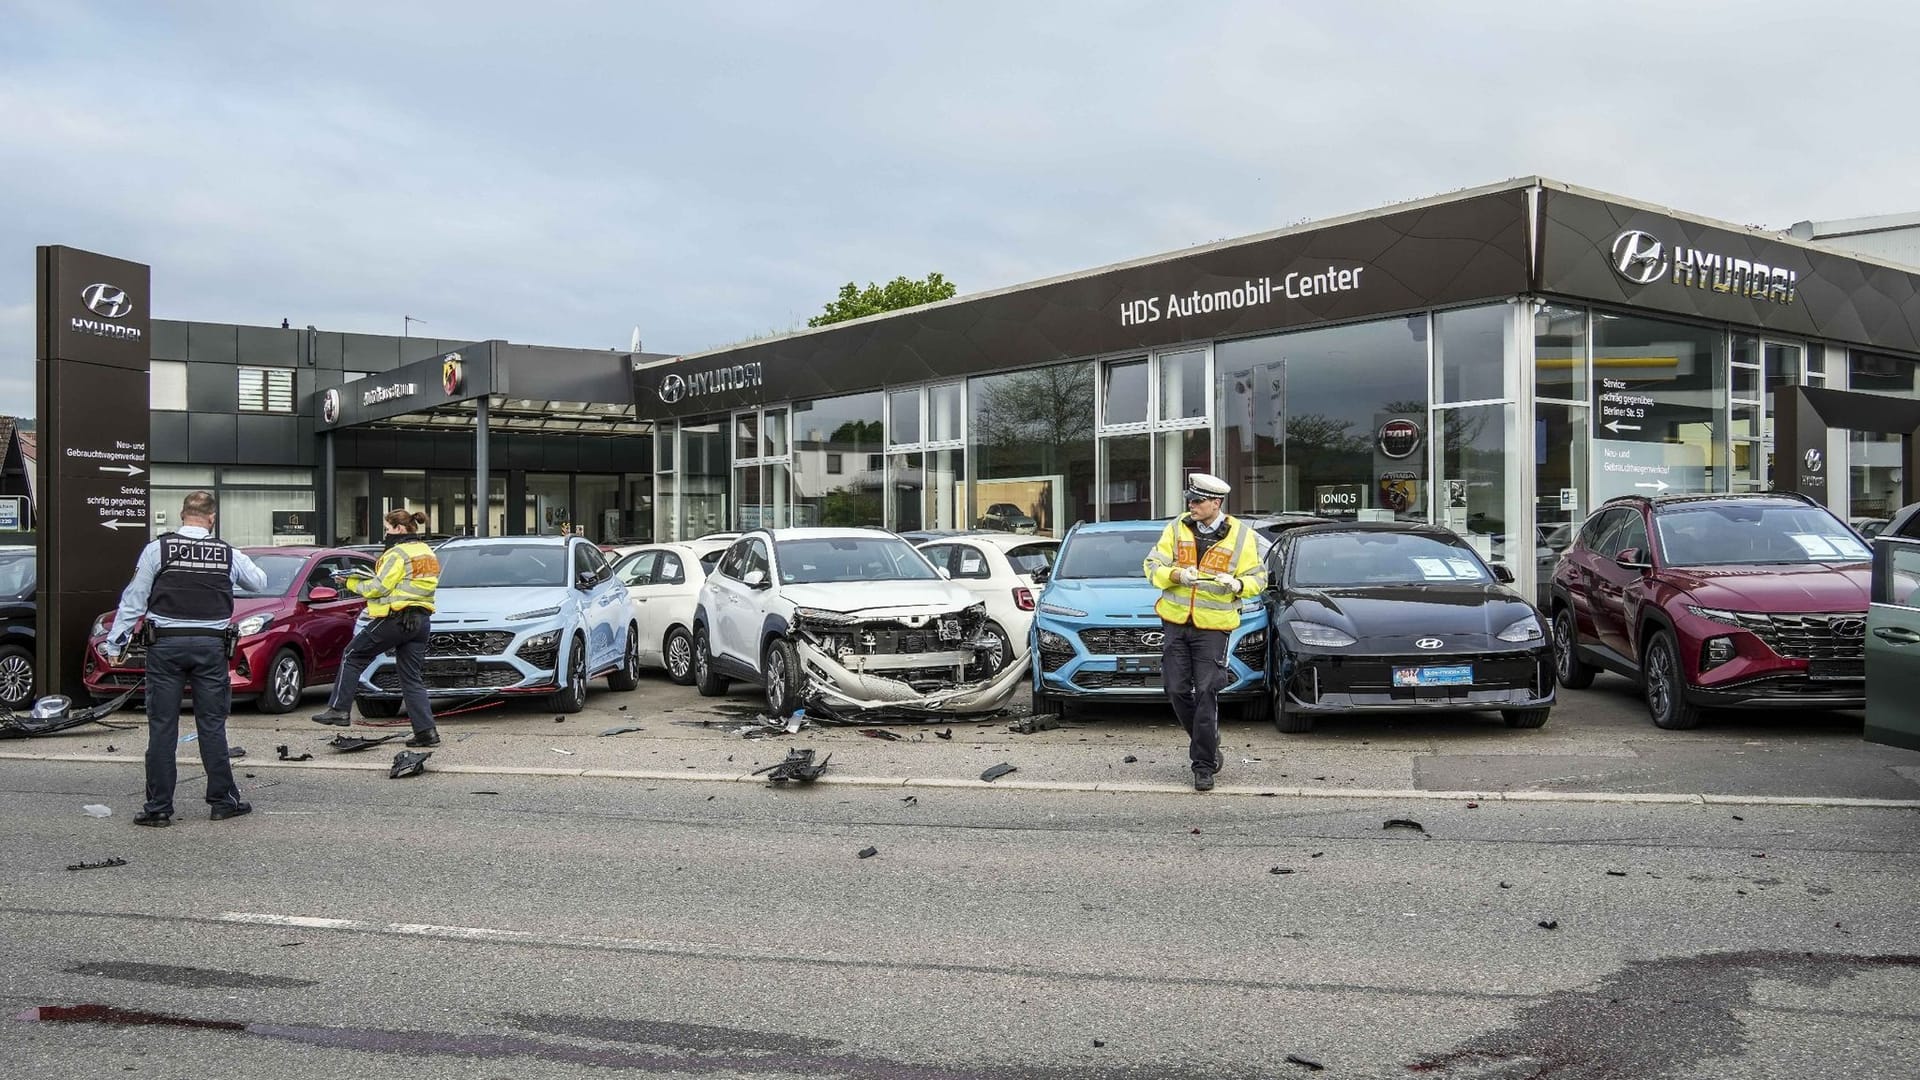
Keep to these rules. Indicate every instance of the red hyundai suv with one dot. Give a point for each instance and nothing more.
(1713, 601)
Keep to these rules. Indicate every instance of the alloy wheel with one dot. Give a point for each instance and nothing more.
(679, 656)
(577, 673)
(776, 679)
(1660, 674)
(1563, 658)
(16, 678)
(286, 681)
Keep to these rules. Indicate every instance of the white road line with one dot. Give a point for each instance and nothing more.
(480, 933)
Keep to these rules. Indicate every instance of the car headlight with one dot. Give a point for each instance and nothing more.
(538, 642)
(101, 625)
(1716, 614)
(1052, 642)
(1056, 609)
(1313, 633)
(254, 624)
(536, 613)
(1527, 629)
(822, 615)
(1255, 640)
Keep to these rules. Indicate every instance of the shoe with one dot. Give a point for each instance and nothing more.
(429, 737)
(152, 820)
(223, 811)
(1203, 779)
(336, 717)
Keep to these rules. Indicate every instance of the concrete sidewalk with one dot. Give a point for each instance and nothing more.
(1598, 747)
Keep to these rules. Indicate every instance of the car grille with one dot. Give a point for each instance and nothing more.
(1374, 675)
(1122, 641)
(1117, 680)
(469, 642)
(483, 677)
(1839, 636)
(1251, 650)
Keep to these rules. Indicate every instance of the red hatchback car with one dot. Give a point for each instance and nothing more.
(1715, 601)
(291, 633)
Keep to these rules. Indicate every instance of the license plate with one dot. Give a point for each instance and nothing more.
(1137, 665)
(1448, 675)
(450, 667)
(1836, 669)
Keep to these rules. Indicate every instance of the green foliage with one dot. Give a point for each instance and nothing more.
(902, 292)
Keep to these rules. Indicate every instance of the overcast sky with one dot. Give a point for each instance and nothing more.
(559, 173)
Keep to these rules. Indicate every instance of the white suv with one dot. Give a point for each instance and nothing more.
(835, 616)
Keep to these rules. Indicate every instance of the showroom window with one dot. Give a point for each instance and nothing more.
(1560, 439)
(1659, 406)
(1030, 437)
(852, 428)
(926, 463)
(266, 390)
(1876, 477)
(762, 469)
(1155, 431)
(167, 384)
(1476, 366)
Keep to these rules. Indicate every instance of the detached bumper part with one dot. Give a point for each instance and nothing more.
(840, 691)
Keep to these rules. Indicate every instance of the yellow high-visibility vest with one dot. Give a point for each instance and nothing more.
(1207, 605)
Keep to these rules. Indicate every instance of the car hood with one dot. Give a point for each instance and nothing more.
(1812, 587)
(496, 602)
(242, 607)
(881, 599)
(1116, 599)
(1387, 613)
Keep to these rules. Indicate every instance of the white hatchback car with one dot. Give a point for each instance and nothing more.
(664, 581)
(999, 569)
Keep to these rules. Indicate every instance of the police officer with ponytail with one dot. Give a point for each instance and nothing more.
(399, 613)
(183, 585)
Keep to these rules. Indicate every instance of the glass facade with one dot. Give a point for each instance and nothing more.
(839, 464)
(1031, 436)
(1661, 400)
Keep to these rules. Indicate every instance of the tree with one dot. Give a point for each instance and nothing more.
(901, 292)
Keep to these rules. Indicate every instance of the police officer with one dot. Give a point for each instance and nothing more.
(399, 613)
(183, 584)
(1205, 564)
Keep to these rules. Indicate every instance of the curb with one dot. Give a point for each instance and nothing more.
(1128, 788)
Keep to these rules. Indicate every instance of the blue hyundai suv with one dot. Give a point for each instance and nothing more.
(1096, 638)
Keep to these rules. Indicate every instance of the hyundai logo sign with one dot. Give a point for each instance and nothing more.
(1639, 257)
(1848, 629)
(1428, 643)
(1153, 639)
(1815, 460)
(106, 301)
(672, 389)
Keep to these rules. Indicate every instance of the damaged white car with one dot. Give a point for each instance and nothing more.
(846, 623)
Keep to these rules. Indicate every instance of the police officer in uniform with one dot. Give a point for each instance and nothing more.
(400, 613)
(1205, 565)
(183, 584)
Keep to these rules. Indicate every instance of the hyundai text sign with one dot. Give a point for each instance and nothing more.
(1643, 258)
(676, 387)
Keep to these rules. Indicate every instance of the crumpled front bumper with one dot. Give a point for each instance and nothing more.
(841, 692)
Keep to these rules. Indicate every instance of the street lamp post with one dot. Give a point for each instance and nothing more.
(406, 324)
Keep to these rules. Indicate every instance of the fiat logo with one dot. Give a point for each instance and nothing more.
(1428, 643)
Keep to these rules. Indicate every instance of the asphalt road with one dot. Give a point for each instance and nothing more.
(472, 925)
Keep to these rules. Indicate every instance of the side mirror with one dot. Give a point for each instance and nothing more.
(1501, 574)
(1632, 559)
(1041, 575)
(322, 593)
(756, 579)
(944, 572)
(586, 580)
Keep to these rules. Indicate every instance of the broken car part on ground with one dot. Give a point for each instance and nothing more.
(902, 663)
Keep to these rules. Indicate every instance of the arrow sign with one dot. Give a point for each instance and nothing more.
(116, 524)
(1659, 484)
(1617, 427)
(130, 470)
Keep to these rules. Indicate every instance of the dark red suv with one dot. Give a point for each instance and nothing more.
(1713, 601)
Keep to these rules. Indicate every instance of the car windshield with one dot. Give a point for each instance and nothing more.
(16, 573)
(1382, 558)
(850, 558)
(485, 566)
(281, 571)
(712, 559)
(1754, 533)
(1119, 554)
(1034, 557)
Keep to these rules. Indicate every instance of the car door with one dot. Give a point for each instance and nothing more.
(1893, 643)
(325, 626)
(608, 608)
(636, 573)
(726, 593)
(941, 556)
(750, 613)
(672, 594)
(1616, 588)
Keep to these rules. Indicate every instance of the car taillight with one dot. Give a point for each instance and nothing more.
(1023, 598)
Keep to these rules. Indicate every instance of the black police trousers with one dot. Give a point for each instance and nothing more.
(403, 633)
(1193, 667)
(173, 662)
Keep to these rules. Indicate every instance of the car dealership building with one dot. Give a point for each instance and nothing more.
(1499, 360)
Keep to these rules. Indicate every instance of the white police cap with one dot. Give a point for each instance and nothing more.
(1207, 486)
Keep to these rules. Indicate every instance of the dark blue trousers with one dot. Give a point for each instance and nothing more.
(1193, 667)
(172, 662)
(405, 634)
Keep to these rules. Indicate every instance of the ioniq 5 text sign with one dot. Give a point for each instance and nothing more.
(94, 328)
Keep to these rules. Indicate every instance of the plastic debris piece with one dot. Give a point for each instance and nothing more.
(1548, 924)
(1281, 870)
(1473, 806)
(97, 810)
(911, 800)
(881, 733)
(347, 744)
(1129, 759)
(1193, 832)
(1027, 725)
(1316, 854)
(1736, 817)
(483, 793)
(869, 852)
(236, 751)
(557, 750)
(1099, 1042)
(408, 763)
(101, 865)
(1759, 854)
(559, 719)
(1616, 873)
(1404, 823)
(190, 736)
(1504, 885)
(1305, 1063)
(621, 730)
(112, 749)
(997, 772)
(947, 734)
(798, 766)
(286, 756)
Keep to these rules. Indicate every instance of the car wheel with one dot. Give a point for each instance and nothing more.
(286, 678)
(1525, 718)
(1257, 711)
(1285, 720)
(377, 708)
(1045, 704)
(678, 652)
(572, 696)
(705, 679)
(784, 682)
(1567, 667)
(627, 677)
(1665, 687)
(995, 658)
(16, 677)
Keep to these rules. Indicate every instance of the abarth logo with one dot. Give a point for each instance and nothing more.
(330, 406)
(452, 374)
